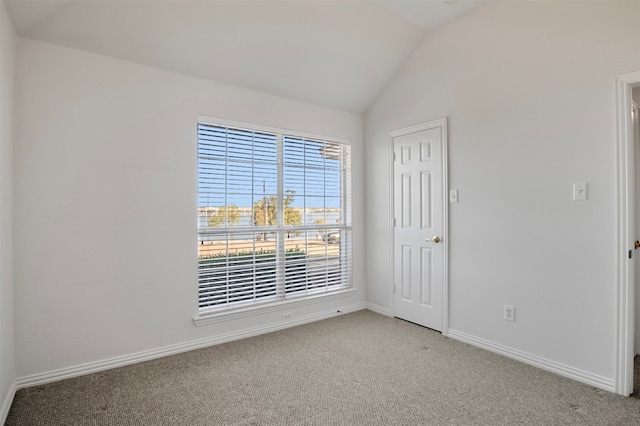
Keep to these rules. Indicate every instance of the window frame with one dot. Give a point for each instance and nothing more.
(344, 288)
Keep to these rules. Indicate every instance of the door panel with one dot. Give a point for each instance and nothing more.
(406, 273)
(425, 274)
(419, 213)
(405, 193)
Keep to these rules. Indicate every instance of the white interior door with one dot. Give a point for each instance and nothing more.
(420, 218)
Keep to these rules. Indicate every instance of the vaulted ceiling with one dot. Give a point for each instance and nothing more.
(336, 53)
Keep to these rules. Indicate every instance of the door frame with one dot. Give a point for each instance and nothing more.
(625, 312)
(442, 124)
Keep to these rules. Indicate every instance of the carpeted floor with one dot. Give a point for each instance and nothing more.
(356, 369)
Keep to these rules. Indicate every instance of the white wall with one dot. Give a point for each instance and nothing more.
(105, 212)
(529, 91)
(7, 367)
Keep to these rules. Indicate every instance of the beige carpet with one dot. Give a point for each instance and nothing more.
(356, 369)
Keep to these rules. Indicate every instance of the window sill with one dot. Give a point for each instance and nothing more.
(230, 315)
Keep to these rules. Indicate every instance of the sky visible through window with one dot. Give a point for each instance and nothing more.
(240, 167)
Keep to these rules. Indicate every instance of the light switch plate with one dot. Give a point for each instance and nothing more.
(580, 191)
(453, 196)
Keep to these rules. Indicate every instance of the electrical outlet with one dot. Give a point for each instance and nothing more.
(286, 316)
(509, 313)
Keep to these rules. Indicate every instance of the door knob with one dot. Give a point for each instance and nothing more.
(434, 239)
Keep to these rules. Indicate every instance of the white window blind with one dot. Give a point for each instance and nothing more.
(274, 216)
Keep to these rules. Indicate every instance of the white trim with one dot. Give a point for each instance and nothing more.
(379, 309)
(6, 404)
(267, 307)
(625, 279)
(121, 361)
(392, 230)
(536, 361)
(443, 124)
(636, 134)
(445, 231)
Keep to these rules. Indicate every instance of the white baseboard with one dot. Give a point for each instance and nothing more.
(6, 404)
(379, 309)
(536, 361)
(121, 361)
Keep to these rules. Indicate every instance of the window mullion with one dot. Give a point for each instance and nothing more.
(345, 234)
(280, 197)
(226, 196)
(280, 247)
(254, 266)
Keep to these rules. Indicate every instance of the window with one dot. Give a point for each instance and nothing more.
(273, 216)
